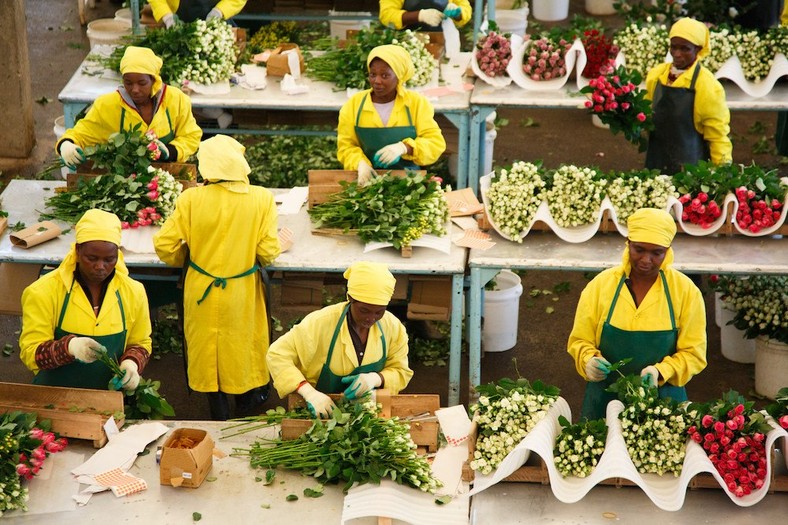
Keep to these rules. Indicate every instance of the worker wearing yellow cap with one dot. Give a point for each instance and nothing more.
(387, 126)
(351, 347)
(225, 231)
(423, 14)
(87, 305)
(691, 117)
(143, 100)
(643, 310)
(169, 12)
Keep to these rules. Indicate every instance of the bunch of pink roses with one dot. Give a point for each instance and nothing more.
(545, 59)
(699, 209)
(756, 213)
(493, 53)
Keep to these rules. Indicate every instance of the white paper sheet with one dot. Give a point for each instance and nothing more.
(442, 244)
(122, 449)
(290, 203)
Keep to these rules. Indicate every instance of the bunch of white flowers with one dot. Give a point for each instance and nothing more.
(168, 191)
(213, 53)
(575, 195)
(722, 41)
(514, 196)
(755, 54)
(424, 63)
(644, 46)
(760, 303)
(655, 435)
(579, 447)
(629, 192)
(12, 495)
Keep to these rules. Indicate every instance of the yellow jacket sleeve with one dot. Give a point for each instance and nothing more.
(711, 114)
(652, 314)
(301, 353)
(428, 145)
(42, 302)
(467, 12)
(174, 114)
(229, 8)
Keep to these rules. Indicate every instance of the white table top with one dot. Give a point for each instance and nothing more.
(569, 98)
(24, 201)
(89, 81)
(713, 254)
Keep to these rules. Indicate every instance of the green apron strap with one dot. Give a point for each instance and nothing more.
(122, 311)
(410, 121)
(358, 113)
(219, 281)
(615, 300)
(122, 118)
(670, 301)
(64, 305)
(695, 76)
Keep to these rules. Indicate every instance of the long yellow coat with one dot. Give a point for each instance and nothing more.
(711, 117)
(174, 114)
(226, 232)
(428, 145)
(652, 314)
(301, 352)
(42, 302)
(391, 12)
(229, 8)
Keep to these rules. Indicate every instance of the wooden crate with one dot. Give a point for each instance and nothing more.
(184, 173)
(77, 413)
(424, 432)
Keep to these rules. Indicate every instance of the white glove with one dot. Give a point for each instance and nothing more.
(317, 402)
(84, 349)
(360, 384)
(650, 376)
(365, 173)
(168, 20)
(131, 378)
(597, 369)
(164, 153)
(452, 11)
(215, 13)
(430, 17)
(390, 155)
(71, 155)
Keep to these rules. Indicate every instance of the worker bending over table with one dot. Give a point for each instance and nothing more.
(691, 117)
(224, 232)
(168, 12)
(643, 310)
(388, 126)
(423, 14)
(143, 100)
(351, 347)
(87, 305)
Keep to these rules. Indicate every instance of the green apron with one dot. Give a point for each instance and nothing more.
(644, 348)
(329, 382)
(166, 138)
(85, 375)
(191, 10)
(372, 139)
(220, 281)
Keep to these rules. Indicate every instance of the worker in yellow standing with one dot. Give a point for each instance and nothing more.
(170, 11)
(143, 100)
(423, 14)
(350, 347)
(225, 231)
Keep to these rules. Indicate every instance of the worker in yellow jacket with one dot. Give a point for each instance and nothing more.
(691, 117)
(87, 305)
(643, 310)
(351, 347)
(388, 126)
(423, 14)
(227, 228)
(142, 100)
(170, 11)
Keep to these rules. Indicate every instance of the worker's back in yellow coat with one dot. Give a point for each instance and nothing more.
(226, 232)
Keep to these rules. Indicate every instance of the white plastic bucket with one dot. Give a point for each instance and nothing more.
(513, 21)
(123, 14)
(107, 31)
(501, 310)
(60, 128)
(735, 347)
(718, 309)
(771, 366)
(600, 7)
(550, 10)
(339, 28)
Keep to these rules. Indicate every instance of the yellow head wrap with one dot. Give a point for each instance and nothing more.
(652, 226)
(221, 158)
(398, 60)
(95, 225)
(370, 283)
(142, 60)
(693, 31)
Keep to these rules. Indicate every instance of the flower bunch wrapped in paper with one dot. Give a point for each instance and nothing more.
(579, 446)
(703, 188)
(492, 55)
(574, 195)
(635, 189)
(545, 59)
(513, 198)
(760, 197)
(600, 51)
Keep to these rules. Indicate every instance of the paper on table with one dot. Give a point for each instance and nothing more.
(291, 202)
(219, 88)
(252, 77)
(442, 244)
(463, 202)
(455, 424)
(466, 223)
(447, 467)
(122, 449)
(451, 38)
(285, 239)
(289, 86)
(52, 490)
(475, 239)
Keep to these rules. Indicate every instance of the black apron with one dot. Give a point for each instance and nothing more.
(94, 375)
(329, 382)
(191, 10)
(418, 5)
(644, 348)
(372, 139)
(674, 140)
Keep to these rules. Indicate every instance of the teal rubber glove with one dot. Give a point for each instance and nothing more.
(360, 384)
(71, 155)
(452, 11)
(597, 369)
(389, 155)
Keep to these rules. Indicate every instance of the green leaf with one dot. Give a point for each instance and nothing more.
(443, 500)
(291, 497)
(313, 493)
(196, 516)
(270, 474)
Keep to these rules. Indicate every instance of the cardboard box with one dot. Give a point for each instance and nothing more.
(302, 289)
(14, 278)
(277, 62)
(186, 467)
(430, 297)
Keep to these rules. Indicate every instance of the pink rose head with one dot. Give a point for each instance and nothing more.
(707, 421)
(152, 146)
(641, 117)
(22, 470)
(151, 134)
(153, 195)
(784, 421)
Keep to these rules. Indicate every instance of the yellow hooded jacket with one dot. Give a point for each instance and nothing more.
(391, 12)
(229, 8)
(226, 231)
(301, 352)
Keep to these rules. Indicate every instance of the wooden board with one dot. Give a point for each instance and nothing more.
(184, 173)
(74, 412)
